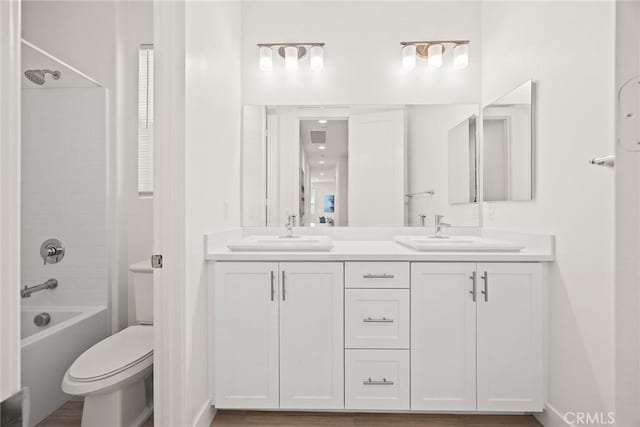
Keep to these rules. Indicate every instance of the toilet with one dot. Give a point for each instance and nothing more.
(114, 375)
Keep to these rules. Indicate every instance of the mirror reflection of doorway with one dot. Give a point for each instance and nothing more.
(323, 172)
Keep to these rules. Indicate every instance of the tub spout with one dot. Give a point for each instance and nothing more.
(28, 290)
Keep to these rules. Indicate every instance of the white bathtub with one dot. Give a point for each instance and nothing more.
(47, 352)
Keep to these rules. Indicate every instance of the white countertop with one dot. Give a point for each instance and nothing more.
(379, 250)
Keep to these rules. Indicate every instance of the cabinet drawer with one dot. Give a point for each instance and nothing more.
(377, 379)
(376, 275)
(377, 318)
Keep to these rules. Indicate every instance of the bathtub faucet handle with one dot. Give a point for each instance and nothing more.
(52, 251)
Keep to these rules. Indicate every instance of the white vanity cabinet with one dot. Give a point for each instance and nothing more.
(278, 335)
(378, 335)
(477, 337)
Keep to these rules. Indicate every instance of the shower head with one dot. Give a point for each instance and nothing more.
(38, 76)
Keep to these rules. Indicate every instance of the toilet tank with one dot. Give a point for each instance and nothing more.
(142, 282)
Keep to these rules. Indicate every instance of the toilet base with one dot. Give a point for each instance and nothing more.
(125, 407)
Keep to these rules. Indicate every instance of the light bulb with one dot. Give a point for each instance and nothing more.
(409, 57)
(291, 58)
(317, 58)
(266, 58)
(461, 56)
(434, 55)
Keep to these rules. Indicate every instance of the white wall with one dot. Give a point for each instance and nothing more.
(362, 53)
(342, 193)
(64, 194)
(627, 219)
(567, 48)
(212, 159)
(427, 157)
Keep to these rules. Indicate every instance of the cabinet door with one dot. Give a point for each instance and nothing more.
(443, 337)
(510, 340)
(246, 335)
(311, 336)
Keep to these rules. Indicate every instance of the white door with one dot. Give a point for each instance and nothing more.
(443, 337)
(10, 281)
(376, 168)
(311, 336)
(510, 339)
(246, 335)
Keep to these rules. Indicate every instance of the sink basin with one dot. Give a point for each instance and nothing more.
(282, 243)
(456, 244)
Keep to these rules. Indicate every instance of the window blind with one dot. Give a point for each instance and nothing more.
(145, 121)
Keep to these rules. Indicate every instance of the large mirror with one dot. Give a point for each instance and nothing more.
(360, 166)
(507, 146)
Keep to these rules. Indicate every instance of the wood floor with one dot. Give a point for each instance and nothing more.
(70, 414)
(317, 419)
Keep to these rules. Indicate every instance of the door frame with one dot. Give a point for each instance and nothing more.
(169, 374)
(10, 146)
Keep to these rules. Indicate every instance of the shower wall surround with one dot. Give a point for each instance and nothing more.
(64, 193)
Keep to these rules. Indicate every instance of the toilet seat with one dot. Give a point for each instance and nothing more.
(114, 354)
(120, 359)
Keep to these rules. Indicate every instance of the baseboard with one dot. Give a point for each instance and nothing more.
(205, 416)
(551, 417)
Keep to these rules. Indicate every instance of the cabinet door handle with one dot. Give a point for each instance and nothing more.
(283, 288)
(273, 286)
(377, 276)
(473, 291)
(378, 320)
(485, 292)
(384, 381)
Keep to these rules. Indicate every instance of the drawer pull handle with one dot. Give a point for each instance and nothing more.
(373, 382)
(377, 276)
(381, 320)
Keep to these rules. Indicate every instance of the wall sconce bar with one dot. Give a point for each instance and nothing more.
(435, 42)
(432, 51)
(291, 53)
(289, 44)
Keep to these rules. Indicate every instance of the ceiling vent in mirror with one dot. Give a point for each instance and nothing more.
(318, 136)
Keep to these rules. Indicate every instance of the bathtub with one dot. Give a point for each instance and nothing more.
(48, 351)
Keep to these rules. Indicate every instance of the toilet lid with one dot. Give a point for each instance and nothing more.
(114, 354)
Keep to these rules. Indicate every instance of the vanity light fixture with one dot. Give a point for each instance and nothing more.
(461, 56)
(317, 58)
(266, 58)
(433, 51)
(291, 58)
(434, 55)
(409, 57)
(292, 53)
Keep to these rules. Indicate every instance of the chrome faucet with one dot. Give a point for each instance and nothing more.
(291, 222)
(28, 290)
(422, 220)
(439, 225)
